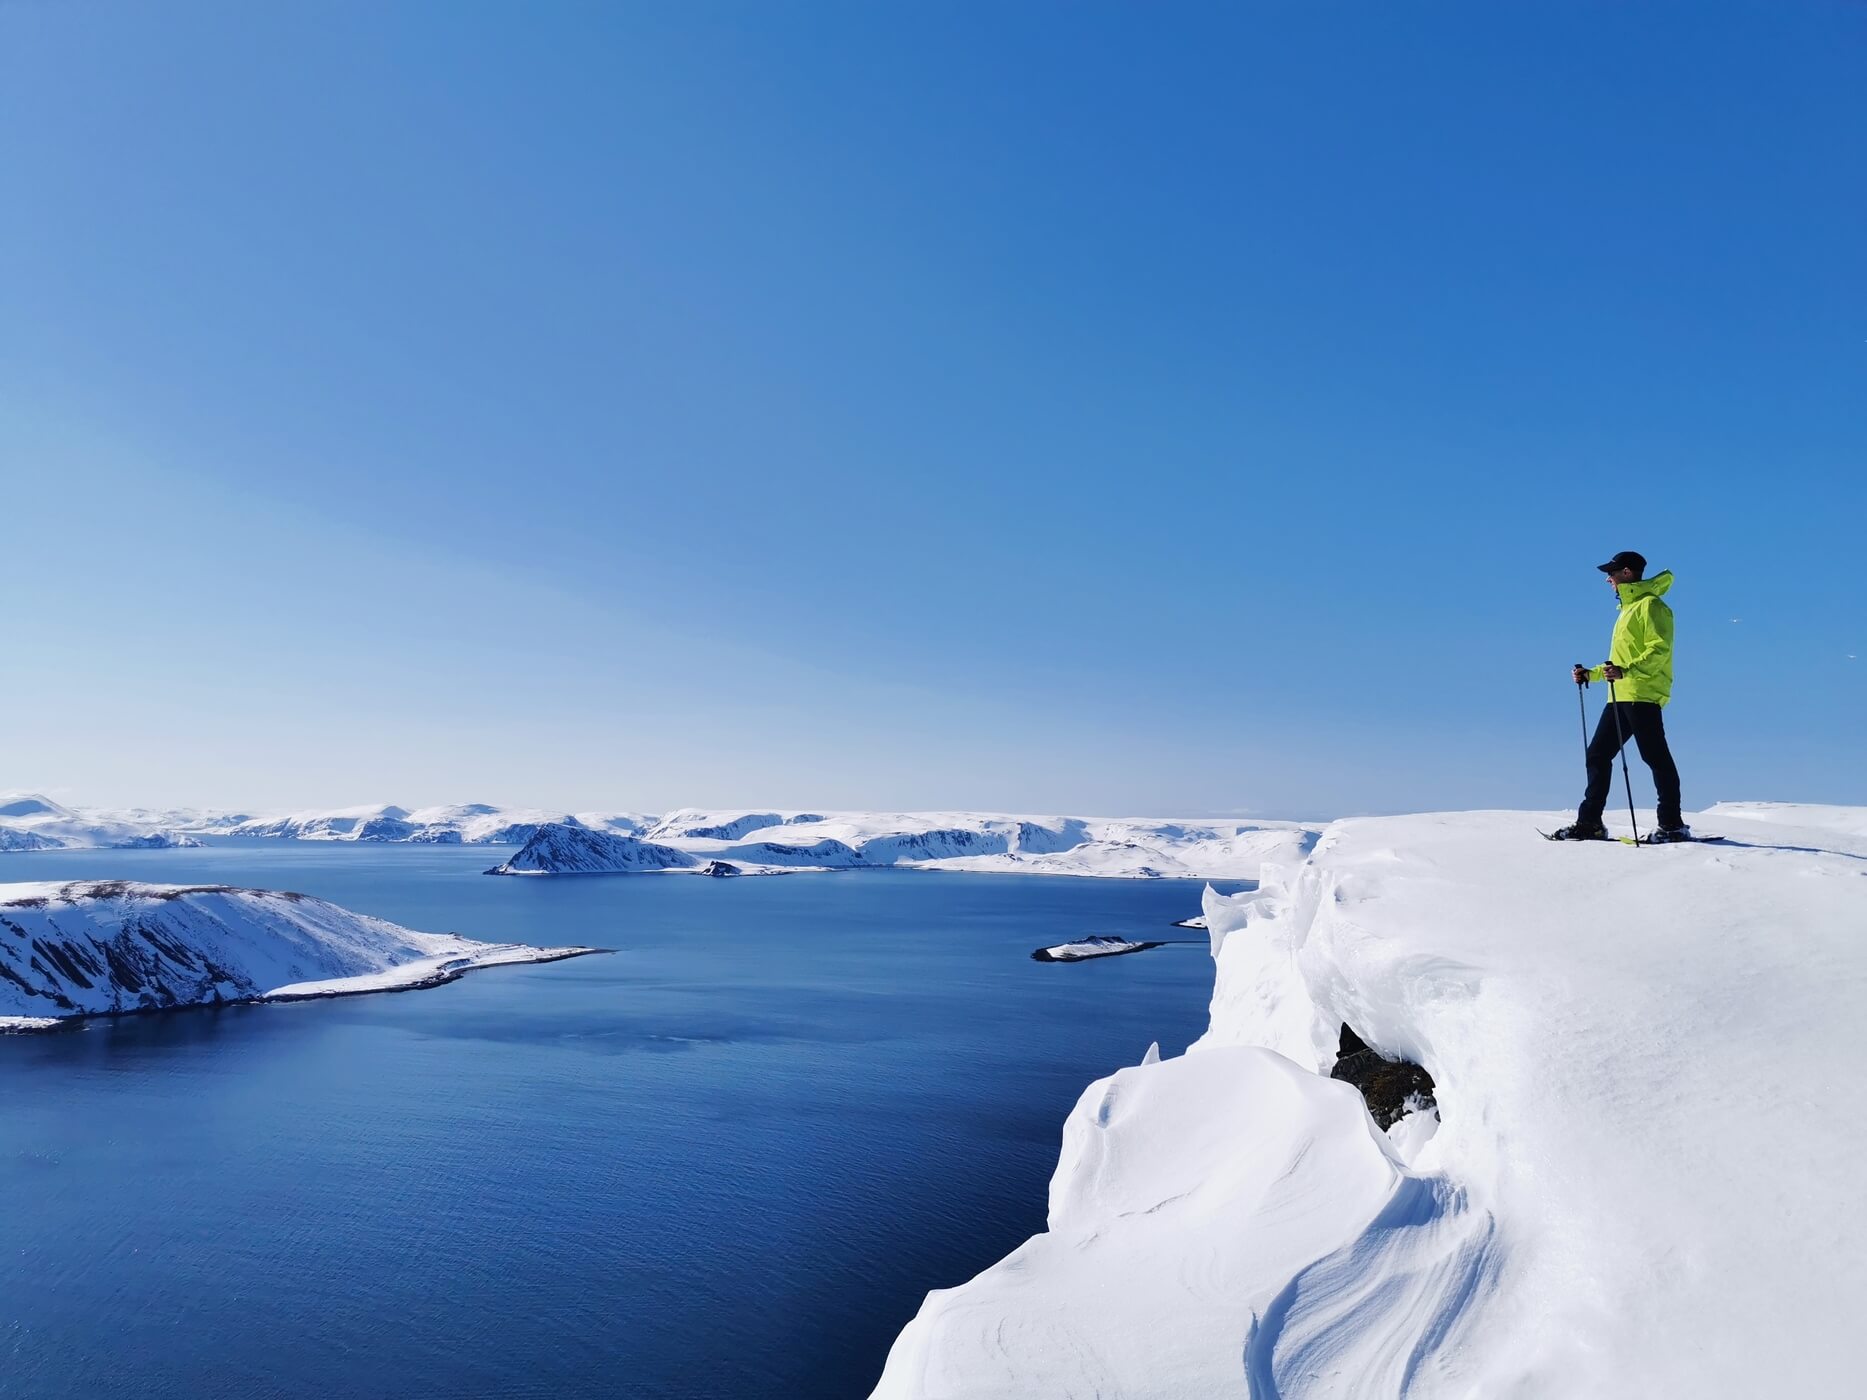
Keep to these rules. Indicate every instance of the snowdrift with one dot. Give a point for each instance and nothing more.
(1646, 1181)
(106, 948)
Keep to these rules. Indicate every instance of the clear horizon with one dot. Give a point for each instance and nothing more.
(1057, 409)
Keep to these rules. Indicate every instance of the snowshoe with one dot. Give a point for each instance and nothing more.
(1667, 835)
(1575, 831)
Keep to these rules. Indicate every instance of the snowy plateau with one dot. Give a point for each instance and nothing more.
(106, 948)
(1643, 1177)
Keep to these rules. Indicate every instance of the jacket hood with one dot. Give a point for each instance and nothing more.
(1645, 587)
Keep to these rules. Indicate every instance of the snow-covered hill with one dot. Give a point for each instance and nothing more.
(92, 948)
(29, 822)
(575, 850)
(1646, 1182)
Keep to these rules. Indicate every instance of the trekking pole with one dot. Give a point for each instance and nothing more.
(1625, 776)
(1582, 706)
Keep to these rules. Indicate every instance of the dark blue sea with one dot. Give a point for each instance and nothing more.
(723, 1162)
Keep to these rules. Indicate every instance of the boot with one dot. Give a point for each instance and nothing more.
(1578, 831)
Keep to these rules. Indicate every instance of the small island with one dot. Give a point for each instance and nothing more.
(1100, 946)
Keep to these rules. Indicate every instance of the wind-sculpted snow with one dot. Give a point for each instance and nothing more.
(1192, 1196)
(576, 850)
(1376, 1317)
(109, 947)
(1647, 1166)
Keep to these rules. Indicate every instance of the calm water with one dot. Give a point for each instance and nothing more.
(724, 1162)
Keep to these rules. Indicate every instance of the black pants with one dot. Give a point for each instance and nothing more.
(1640, 721)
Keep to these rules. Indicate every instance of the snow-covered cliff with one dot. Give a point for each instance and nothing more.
(90, 948)
(1645, 1183)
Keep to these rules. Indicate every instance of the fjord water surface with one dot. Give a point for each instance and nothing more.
(723, 1162)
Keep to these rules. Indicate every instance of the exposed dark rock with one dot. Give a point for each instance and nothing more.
(63, 960)
(75, 890)
(1390, 1087)
(720, 869)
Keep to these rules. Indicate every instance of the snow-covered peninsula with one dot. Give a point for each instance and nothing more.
(105, 948)
(1646, 1181)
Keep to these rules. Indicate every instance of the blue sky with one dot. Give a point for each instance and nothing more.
(1156, 409)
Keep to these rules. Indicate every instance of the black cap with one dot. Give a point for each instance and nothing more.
(1626, 559)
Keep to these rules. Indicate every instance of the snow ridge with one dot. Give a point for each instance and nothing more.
(1381, 1308)
(1648, 1158)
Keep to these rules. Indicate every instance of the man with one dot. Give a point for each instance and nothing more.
(1640, 666)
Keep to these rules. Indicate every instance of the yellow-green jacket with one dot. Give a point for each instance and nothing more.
(1643, 641)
